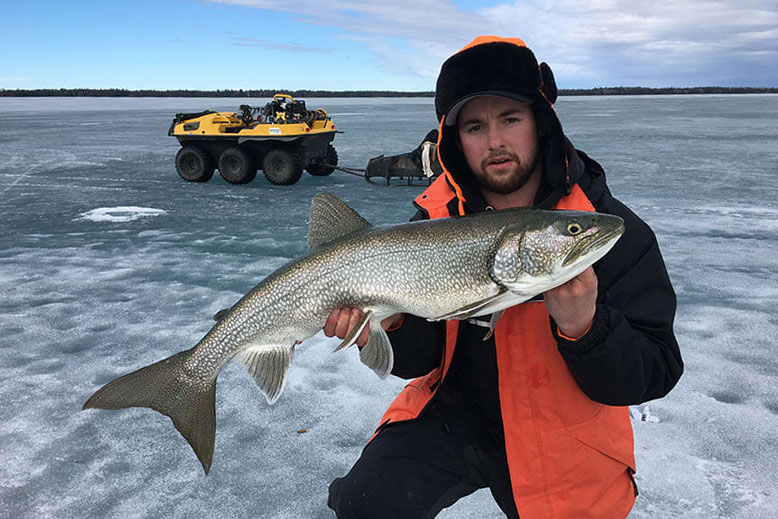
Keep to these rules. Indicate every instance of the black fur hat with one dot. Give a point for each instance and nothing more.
(505, 67)
(491, 65)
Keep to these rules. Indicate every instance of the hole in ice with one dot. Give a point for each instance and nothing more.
(727, 397)
(119, 214)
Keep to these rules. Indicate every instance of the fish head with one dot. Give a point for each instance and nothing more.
(550, 248)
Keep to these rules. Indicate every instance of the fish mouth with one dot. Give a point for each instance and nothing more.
(593, 242)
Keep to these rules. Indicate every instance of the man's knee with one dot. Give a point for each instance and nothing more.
(379, 495)
(352, 500)
(400, 477)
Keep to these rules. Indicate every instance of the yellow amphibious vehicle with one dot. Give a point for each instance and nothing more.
(282, 138)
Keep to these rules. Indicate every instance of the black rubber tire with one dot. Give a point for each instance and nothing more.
(237, 165)
(282, 167)
(324, 166)
(194, 164)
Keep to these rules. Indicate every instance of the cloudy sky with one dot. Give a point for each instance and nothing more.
(378, 44)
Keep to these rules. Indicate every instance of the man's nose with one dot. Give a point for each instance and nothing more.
(494, 136)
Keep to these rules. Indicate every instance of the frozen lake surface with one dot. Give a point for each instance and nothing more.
(109, 262)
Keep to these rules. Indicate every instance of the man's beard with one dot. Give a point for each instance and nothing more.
(509, 181)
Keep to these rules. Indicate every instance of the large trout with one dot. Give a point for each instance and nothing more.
(452, 268)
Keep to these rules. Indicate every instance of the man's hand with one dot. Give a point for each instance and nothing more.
(573, 304)
(342, 320)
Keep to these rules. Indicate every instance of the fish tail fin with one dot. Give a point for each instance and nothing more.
(165, 387)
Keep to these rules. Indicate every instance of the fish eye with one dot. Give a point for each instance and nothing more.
(574, 228)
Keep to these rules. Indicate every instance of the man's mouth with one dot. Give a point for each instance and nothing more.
(498, 161)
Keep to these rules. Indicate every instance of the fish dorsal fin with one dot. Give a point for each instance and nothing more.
(331, 218)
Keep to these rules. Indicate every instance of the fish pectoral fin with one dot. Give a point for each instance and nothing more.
(351, 338)
(470, 310)
(493, 323)
(377, 354)
(268, 366)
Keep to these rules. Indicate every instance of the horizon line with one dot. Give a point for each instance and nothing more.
(262, 92)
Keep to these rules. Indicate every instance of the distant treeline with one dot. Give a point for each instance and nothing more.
(121, 92)
(610, 91)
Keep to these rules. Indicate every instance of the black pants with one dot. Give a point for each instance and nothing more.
(413, 470)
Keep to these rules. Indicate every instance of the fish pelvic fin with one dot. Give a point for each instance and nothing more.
(268, 366)
(351, 338)
(165, 387)
(377, 354)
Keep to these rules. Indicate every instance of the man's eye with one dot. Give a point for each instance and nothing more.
(511, 120)
(473, 128)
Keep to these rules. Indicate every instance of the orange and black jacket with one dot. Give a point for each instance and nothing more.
(558, 404)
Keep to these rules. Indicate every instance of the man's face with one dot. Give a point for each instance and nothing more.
(499, 141)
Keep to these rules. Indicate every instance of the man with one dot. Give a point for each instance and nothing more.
(537, 412)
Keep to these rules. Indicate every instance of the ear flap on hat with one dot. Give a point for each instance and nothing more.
(548, 86)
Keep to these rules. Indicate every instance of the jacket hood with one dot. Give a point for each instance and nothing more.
(490, 65)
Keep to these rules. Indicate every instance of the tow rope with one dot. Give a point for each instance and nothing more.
(357, 172)
(351, 171)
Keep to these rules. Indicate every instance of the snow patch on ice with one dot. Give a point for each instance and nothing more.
(119, 214)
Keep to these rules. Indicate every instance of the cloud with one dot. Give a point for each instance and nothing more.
(648, 43)
(241, 41)
(599, 42)
(411, 38)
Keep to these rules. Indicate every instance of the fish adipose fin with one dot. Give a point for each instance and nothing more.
(330, 218)
(268, 366)
(165, 387)
(377, 354)
(351, 338)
